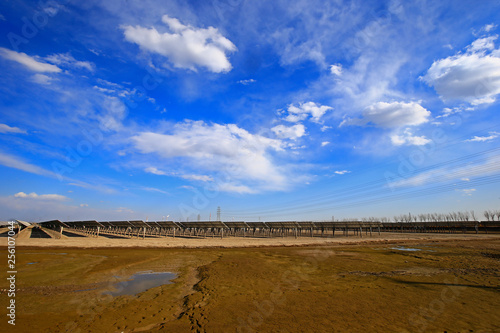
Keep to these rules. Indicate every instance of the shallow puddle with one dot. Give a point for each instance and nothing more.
(140, 282)
(402, 248)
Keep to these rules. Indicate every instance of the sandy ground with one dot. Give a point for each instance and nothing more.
(234, 242)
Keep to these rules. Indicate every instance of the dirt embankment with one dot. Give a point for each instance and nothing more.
(229, 242)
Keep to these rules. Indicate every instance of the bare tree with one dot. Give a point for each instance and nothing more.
(465, 216)
(487, 214)
(473, 215)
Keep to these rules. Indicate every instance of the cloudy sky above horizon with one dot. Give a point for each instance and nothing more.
(270, 110)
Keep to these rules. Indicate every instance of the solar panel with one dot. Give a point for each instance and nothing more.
(260, 225)
(283, 224)
(27, 224)
(203, 224)
(43, 224)
(167, 224)
(121, 224)
(326, 224)
(138, 224)
(236, 224)
(306, 224)
(86, 224)
(152, 224)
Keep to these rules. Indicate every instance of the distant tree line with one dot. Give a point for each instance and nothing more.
(491, 215)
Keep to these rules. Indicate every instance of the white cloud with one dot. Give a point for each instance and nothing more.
(341, 172)
(68, 60)
(186, 47)
(407, 138)
(33, 195)
(202, 178)
(482, 44)
(228, 187)
(336, 69)
(227, 150)
(467, 192)
(8, 129)
(390, 115)
(104, 90)
(303, 110)
(473, 76)
(97, 186)
(293, 132)
(489, 27)
(2, 18)
(493, 135)
(247, 82)
(42, 79)
(124, 210)
(28, 61)
(325, 143)
(153, 189)
(84, 205)
(155, 171)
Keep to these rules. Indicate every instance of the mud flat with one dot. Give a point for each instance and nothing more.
(425, 284)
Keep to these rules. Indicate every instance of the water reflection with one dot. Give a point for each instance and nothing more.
(140, 282)
(402, 248)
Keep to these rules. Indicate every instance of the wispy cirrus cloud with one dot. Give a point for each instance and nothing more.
(42, 79)
(202, 178)
(16, 162)
(33, 195)
(486, 167)
(29, 62)
(67, 60)
(492, 136)
(4, 128)
(467, 191)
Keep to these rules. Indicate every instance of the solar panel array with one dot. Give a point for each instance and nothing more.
(274, 225)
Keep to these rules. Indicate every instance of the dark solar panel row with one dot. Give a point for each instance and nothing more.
(242, 224)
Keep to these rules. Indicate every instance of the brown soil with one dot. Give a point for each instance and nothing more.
(448, 286)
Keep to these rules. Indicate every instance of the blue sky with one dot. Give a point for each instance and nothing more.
(270, 110)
